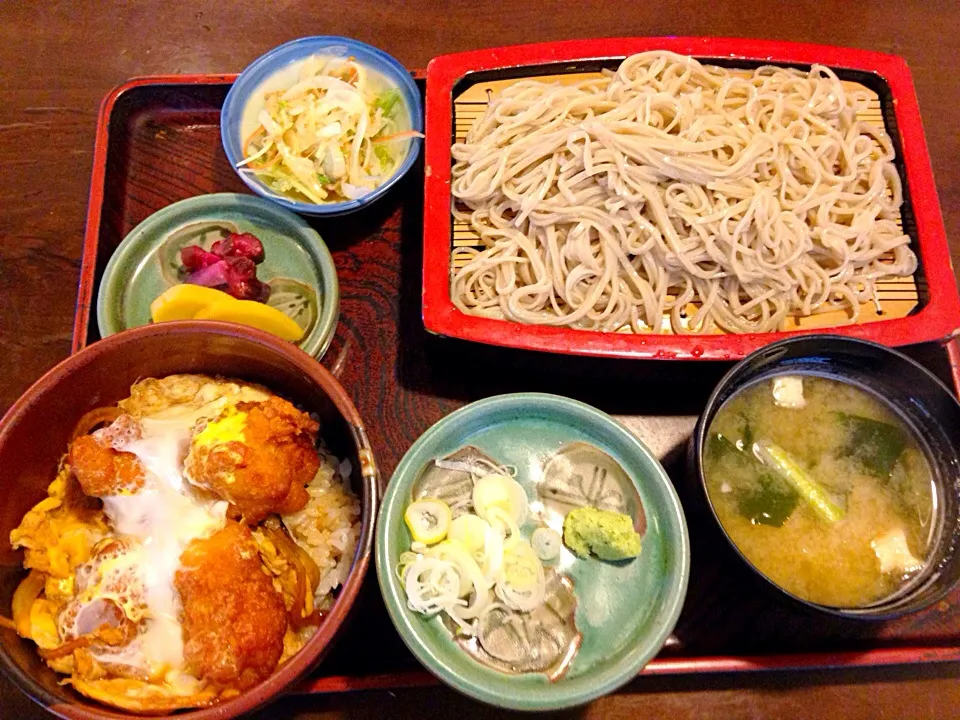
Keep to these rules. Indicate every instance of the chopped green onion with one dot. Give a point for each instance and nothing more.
(779, 460)
(323, 179)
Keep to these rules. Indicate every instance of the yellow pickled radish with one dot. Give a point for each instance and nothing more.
(183, 302)
(253, 314)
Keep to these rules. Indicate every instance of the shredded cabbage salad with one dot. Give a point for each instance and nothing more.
(332, 136)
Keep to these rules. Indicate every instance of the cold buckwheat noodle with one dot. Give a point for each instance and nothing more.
(609, 203)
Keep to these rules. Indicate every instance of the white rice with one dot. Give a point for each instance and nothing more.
(328, 527)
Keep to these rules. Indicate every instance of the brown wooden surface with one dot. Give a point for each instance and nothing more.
(58, 60)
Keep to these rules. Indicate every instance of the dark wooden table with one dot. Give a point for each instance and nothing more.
(57, 60)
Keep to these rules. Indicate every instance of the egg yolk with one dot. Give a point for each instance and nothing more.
(226, 429)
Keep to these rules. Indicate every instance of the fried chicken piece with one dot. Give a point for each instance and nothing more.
(103, 471)
(233, 619)
(257, 456)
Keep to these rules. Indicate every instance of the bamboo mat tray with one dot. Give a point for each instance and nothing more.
(898, 296)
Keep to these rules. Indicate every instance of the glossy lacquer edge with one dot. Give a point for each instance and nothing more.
(101, 147)
(937, 321)
(419, 678)
(672, 666)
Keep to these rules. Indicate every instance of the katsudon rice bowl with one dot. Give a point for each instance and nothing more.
(190, 547)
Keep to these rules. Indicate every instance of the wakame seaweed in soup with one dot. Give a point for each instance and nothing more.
(823, 488)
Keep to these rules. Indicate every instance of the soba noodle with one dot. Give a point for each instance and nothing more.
(611, 202)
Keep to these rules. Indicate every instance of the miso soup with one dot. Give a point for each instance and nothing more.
(823, 488)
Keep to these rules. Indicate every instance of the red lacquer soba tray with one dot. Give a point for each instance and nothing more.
(459, 87)
(158, 142)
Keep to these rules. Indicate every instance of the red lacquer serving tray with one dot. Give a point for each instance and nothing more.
(158, 141)
(937, 318)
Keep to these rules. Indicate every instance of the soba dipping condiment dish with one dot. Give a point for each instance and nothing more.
(37, 429)
(601, 621)
(323, 167)
(831, 466)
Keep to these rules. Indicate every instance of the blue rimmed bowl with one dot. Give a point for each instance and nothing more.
(271, 71)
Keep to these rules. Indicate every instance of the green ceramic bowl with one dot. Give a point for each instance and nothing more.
(625, 611)
(298, 265)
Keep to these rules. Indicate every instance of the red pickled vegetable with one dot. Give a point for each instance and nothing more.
(239, 269)
(243, 245)
(242, 279)
(210, 276)
(248, 246)
(230, 265)
(251, 290)
(195, 258)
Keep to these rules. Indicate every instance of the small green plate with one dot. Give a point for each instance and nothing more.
(297, 266)
(625, 611)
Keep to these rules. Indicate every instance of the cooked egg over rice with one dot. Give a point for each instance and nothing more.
(188, 546)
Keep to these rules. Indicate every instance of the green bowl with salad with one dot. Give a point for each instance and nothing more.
(322, 125)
